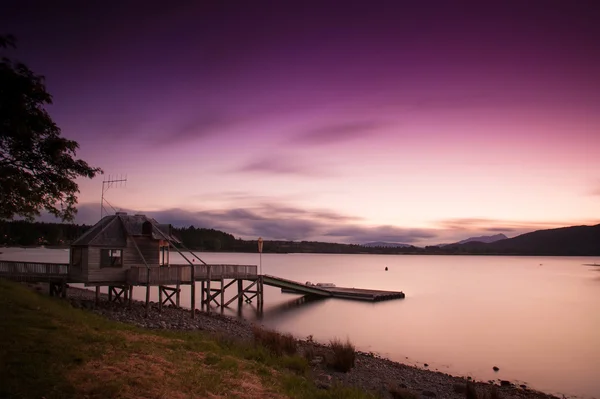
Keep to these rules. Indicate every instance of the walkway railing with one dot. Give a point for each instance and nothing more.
(33, 271)
(182, 274)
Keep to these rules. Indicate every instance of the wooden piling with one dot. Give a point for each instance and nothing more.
(193, 293)
(177, 296)
(208, 292)
(147, 299)
(202, 289)
(160, 298)
(222, 293)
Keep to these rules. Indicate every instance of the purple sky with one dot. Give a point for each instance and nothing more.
(338, 121)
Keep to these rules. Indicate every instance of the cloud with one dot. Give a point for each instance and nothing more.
(272, 221)
(595, 191)
(483, 226)
(456, 101)
(201, 126)
(337, 133)
(280, 166)
(361, 235)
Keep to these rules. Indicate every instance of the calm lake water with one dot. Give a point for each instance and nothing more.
(536, 318)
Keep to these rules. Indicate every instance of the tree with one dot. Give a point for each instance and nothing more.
(38, 167)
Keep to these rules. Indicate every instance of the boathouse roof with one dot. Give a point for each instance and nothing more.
(112, 230)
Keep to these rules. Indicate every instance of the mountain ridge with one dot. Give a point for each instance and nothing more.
(485, 239)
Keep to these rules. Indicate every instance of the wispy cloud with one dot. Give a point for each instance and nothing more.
(596, 190)
(281, 166)
(360, 234)
(198, 127)
(484, 226)
(456, 101)
(338, 133)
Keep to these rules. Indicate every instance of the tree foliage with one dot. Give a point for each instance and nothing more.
(38, 167)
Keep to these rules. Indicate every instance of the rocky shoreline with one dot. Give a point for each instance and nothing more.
(371, 372)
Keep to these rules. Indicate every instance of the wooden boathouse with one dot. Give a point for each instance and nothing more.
(122, 251)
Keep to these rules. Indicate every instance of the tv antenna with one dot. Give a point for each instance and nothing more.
(112, 181)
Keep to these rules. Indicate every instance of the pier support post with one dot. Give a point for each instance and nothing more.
(222, 293)
(110, 293)
(240, 295)
(147, 299)
(208, 292)
(130, 295)
(260, 292)
(193, 293)
(160, 298)
(177, 297)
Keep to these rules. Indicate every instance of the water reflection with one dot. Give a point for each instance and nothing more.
(287, 308)
(253, 311)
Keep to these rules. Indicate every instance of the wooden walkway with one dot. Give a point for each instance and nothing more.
(34, 271)
(182, 274)
(57, 274)
(333, 292)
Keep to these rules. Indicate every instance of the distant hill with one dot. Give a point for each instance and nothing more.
(486, 239)
(385, 244)
(565, 241)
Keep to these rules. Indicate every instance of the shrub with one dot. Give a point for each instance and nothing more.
(494, 393)
(309, 352)
(403, 393)
(274, 341)
(344, 355)
(211, 359)
(295, 363)
(460, 388)
(471, 393)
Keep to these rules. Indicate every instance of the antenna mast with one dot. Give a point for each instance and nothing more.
(116, 181)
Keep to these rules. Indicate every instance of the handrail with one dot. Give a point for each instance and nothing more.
(182, 274)
(10, 267)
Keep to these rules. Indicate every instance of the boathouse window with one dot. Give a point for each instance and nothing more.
(76, 257)
(111, 258)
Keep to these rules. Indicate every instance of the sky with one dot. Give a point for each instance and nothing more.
(342, 121)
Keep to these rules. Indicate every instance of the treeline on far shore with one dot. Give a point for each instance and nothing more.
(568, 241)
(23, 233)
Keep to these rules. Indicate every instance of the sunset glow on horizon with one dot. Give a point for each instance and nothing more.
(331, 121)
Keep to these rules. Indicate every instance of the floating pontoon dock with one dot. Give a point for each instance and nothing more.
(290, 286)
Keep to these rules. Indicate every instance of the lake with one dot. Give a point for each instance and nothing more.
(536, 318)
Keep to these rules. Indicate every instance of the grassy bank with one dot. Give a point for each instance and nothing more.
(49, 349)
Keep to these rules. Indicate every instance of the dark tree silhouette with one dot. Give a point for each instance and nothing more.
(37, 166)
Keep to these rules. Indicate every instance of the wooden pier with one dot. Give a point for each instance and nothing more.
(291, 286)
(55, 274)
(364, 295)
(214, 279)
(122, 251)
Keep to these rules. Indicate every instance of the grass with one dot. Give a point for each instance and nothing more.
(275, 341)
(52, 350)
(344, 355)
